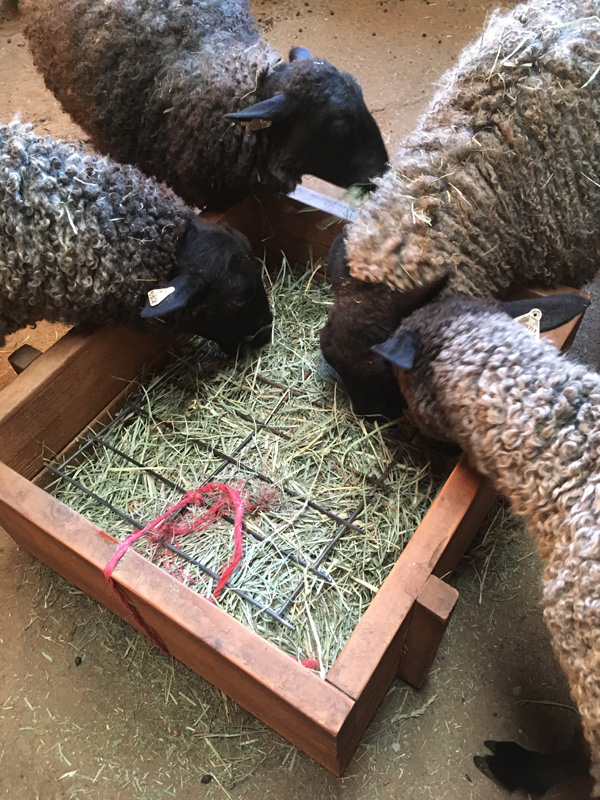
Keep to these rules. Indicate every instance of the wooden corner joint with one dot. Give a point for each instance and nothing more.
(437, 598)
(430, 616)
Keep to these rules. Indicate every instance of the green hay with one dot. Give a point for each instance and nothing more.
(306, 440)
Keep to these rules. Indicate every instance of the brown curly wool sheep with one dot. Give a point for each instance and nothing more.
(529, 420)
(165, 84)
(499, 184)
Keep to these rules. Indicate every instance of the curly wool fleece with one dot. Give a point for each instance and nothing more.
(82, 239)
(530, 421)
(151, 82)
(500, 180)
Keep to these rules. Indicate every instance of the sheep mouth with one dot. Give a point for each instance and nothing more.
(260, 334)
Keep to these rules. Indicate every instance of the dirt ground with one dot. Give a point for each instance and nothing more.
(89, 710)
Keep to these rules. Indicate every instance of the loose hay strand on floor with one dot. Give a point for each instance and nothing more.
(345, 494)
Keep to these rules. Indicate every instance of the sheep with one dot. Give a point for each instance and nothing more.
(84, 239)
(498, 184)
(164, 84)
(529, 420)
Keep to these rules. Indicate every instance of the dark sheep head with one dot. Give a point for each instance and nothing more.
(216, 291)
(419, 340)
(318, 123)
(363, 315)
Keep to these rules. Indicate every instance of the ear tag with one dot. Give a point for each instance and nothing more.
(531, 321)
(253, 125)
(156, 296)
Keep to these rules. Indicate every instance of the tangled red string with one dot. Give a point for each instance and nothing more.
(166, 527)
(169, 527)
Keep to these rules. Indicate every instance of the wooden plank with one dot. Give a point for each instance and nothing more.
(53, 400)
(436, 600)
(483, 495)
(433, 608)
(268, 683)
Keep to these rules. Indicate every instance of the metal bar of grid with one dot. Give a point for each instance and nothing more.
(137, 523)
(248, 438)
(262, 425)
(74, 482)
(321, 509)
(252, 600)
(96, 438)
(284, 608)
(87, 436)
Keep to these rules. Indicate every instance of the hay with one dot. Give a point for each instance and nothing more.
(280, 425)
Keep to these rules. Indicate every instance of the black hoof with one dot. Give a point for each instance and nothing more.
(514, 767)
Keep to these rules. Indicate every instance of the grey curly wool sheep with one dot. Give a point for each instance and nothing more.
(83, 239)
(529, 420)
(152, 82)
(498, 184)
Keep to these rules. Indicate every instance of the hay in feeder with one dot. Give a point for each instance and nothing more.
(343, 495)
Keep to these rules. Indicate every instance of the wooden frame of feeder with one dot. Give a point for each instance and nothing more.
(87, 375)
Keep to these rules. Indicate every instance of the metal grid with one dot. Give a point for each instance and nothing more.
(131, 410)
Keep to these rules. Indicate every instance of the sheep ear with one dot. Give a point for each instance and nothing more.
(273, 108)
(421, 295)
(402, 350)
(300, 54)
(170, 298)
(557, 309)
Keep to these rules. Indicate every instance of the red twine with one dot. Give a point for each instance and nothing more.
(166, 527)
(309, 663)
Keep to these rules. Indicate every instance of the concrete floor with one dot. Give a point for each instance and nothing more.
(132, 724)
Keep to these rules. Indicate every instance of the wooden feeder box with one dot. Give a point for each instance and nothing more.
(84, 377)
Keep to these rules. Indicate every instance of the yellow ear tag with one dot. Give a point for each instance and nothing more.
(156, 296)
(531, 321)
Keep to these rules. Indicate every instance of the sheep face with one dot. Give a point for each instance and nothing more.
(421, 350)
(217, 291)
(318, 123)
(331, 133)
(363, 315)
(360, 318)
